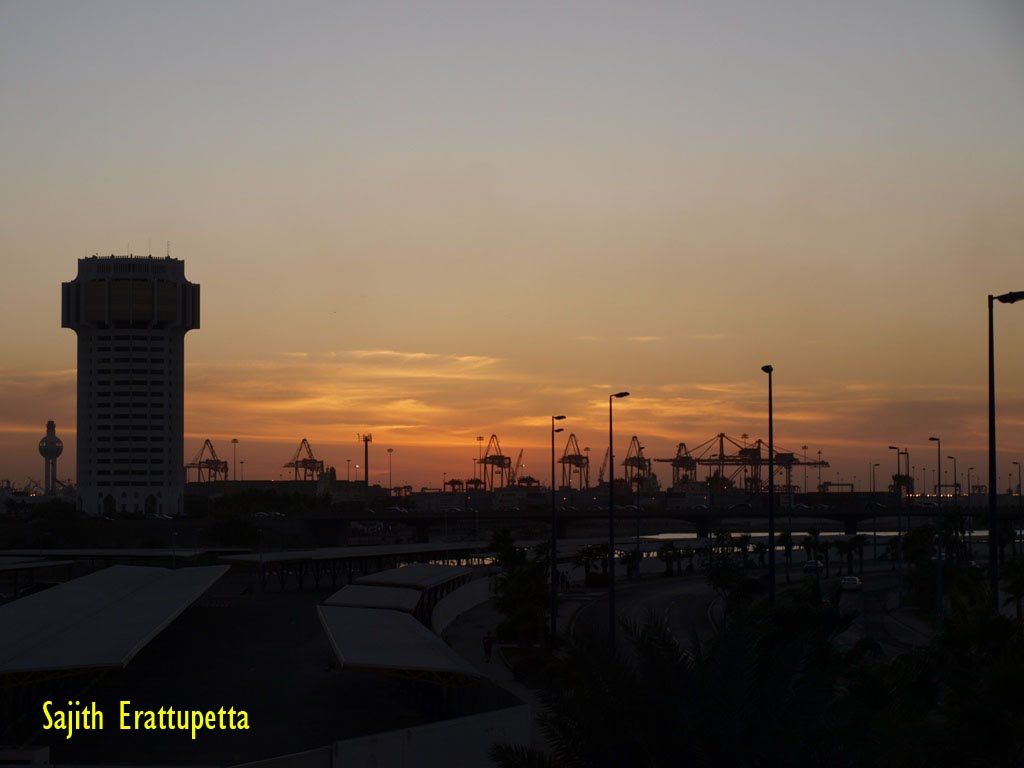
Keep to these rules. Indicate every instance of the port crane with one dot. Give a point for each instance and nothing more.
(208, 466)
(728, 459)
(574, 461)
(494, 462)
(303, 461)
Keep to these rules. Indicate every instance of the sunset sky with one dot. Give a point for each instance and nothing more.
(432, 221)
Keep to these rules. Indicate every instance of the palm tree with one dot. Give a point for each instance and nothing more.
(760, 549)
(1013, 571)
(588, 555)
(743, 544)
(859, 542)
(667, 553)
(786, 540)
(723, 543)
(811, 543)
(688, 553)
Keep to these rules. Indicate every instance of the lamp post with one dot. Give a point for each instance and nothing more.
(554, 534)
(804, 449)
(391, 485)
(242, 462)
(956, 485)
(771, 491)
(993, 528)
(874, 519)
(970, 516)
(819, 471)
(611, 521)
(939, 543)
(1020, 496)
(899, 523)
(234, 457)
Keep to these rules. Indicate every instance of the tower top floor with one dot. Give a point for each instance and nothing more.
(130, 292)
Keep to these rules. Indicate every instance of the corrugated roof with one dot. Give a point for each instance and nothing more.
(370, 638)
(415, 575)
(359, 596)
(100, 620)
(341, 553)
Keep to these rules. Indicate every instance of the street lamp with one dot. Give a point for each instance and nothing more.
(611, 521)
(993, 529)
(970, 516)
(956, 484)
(554, 533)
(390, 483)
(771, 491)
(940, 544)
(242, 462)
(899, 523)
(874, 519)
(804, 449)
(1020, 496)
(234, 457)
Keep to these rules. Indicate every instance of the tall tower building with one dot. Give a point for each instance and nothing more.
(50, 447)
(131, 315)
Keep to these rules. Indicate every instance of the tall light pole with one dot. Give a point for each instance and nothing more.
(242, 462)
(611, 521)
(899, 522)
(874, 519)
(993, 528)
(940, 544)
(391, 485)
(1020, 496)
(480, 454)
(804, 449)
(970, 516)
(819, 471)
(367, 439)
(234, 456)
(554, 533)
(771, 491)
(956, 482)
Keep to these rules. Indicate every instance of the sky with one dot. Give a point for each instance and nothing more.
(437, 221)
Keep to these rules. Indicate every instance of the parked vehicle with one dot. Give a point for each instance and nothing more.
(812, 566)
(849, 583)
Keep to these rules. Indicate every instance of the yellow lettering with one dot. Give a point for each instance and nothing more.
(243, 720)
(211, 720)
(124, 716)
(46, 713)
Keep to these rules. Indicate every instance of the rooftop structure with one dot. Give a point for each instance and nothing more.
(99, 620)
(131, 315)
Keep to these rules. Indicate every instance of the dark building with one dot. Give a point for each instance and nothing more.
(131, 315)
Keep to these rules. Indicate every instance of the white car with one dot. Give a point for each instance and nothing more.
(850, 583)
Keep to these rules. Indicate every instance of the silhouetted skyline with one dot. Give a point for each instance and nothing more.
(434, 223)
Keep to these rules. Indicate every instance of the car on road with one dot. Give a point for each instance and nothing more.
(849, 583)
(812, 566)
